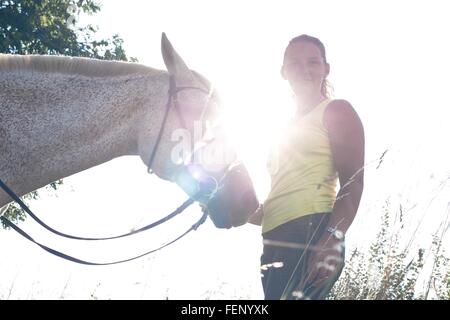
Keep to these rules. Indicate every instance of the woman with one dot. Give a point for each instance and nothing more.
(303, 220)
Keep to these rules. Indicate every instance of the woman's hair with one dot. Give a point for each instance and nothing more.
(326, 89)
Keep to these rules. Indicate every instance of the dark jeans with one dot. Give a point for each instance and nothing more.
(278, 280)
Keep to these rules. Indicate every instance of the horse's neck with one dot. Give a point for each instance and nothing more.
(54, 125)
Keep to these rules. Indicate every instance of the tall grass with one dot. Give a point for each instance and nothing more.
(392, 269)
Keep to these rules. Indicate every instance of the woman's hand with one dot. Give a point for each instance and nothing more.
(325, 260)
(257, 216)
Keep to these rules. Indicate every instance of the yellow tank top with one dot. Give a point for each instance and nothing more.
(303, 176)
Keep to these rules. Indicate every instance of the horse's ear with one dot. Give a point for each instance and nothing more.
(175, 65)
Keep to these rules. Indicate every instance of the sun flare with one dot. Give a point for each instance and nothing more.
(254, 123)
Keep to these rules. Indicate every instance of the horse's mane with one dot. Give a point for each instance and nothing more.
(71, 65)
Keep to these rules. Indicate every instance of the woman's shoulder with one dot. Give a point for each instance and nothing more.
(339, 103)
(340, 111)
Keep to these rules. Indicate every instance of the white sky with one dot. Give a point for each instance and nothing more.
(388, 58)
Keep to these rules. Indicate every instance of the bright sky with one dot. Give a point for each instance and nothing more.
(388, 58)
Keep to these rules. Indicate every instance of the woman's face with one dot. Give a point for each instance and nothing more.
(305, 68)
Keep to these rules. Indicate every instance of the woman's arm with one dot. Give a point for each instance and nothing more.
(346, 134)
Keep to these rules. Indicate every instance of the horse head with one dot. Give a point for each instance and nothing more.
(192, 149)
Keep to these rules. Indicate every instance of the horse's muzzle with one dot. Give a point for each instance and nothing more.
(235, 200)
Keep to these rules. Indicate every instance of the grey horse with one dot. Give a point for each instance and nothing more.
(63, 115)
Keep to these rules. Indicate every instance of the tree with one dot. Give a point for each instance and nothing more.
(51, 27)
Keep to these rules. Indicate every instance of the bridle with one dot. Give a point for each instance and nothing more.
(202, 192)
(173, 100)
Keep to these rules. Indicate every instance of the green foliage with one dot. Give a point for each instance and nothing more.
(15, 213)
(387, 272)
(439, 280)
(50, 27)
